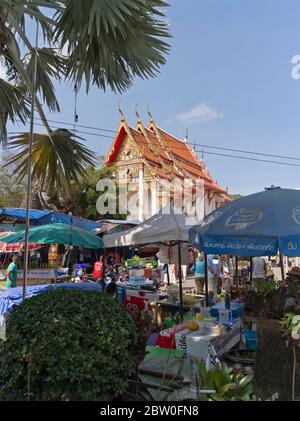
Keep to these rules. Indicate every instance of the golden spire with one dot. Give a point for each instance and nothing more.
(137, 114)
(121, 112)
(150, 115)
(186, 136)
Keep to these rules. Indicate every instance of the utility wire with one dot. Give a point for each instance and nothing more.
(249, 152)
(191, 146)
(250, 159)
(77, 131)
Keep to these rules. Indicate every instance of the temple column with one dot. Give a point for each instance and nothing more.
(153, 197)
(141, 195)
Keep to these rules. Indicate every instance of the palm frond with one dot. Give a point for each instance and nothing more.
(14, 104)
(50, 65)
(110, 43)
(19, 9)
(54, 163)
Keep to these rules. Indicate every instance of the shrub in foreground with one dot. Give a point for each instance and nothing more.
(67, 344)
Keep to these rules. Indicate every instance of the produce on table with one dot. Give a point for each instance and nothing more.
(192, 325)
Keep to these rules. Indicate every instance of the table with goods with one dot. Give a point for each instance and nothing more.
(208, 335)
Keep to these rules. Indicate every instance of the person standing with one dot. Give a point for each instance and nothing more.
(11, 273)
(214, 270)
(258, 270)
(191, 259)
(199, 273)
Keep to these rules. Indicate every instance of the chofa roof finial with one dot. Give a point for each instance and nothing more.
(120, 111)
(137, 114)
(150, 115)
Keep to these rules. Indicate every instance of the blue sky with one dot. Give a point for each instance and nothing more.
(227, 79)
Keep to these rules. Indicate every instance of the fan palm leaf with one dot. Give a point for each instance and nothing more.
(50, 65)
(56, 161)
(110, 43)
(14, 104)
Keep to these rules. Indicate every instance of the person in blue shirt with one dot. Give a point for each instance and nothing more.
(11, 273)
(199, 273)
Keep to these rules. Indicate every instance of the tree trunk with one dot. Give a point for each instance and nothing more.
(274, 362)
(35, 201)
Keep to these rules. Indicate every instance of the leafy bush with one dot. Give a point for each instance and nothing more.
(265, 287)
(224, 384)
(67, 344)
(144, 325)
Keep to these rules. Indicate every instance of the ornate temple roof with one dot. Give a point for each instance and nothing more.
(165, 155)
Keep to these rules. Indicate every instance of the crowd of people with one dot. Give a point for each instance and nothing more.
(220, 272)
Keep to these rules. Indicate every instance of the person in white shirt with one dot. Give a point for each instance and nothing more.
(258, 270)
(214, 270)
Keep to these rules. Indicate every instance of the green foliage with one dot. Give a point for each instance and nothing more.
(144, 325)
(54, 161)
(291, 326)
(265, 287)
(83, 198)
(69, 345)
(227, 384)
(12, 191)
(14, 105)
(109, 43)
(274, 397)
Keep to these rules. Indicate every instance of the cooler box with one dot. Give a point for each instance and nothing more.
(237, 309)
(250, 336)
(166, 338)
(136, 301)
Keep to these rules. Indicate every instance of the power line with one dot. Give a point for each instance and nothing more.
(195, 144)
(249, 152)
(204, 151)
(250, 159)
(78, 125)
(169, 140)
(77, 131)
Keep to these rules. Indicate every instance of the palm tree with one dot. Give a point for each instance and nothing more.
(108, 43)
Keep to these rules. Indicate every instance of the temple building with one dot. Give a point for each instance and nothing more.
(150, 160)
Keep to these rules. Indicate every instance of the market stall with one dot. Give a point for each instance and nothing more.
(56, 234)
(169, 228)
(261, 224)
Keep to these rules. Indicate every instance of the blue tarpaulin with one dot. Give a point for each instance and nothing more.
(260, 224)
(40, 217)
(20, 214)
(13, 296)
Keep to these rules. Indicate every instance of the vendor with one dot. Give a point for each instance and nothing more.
(258, 270)
(11, 273)
(214, 270)
(199, 269)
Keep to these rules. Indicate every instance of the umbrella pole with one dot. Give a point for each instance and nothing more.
(103, 267)
(29, 170)
(168, 274)
(282, 268)
(236, 268)
(180, 282)
(206, 280)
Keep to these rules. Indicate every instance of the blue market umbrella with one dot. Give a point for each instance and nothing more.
(260, 224)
